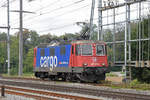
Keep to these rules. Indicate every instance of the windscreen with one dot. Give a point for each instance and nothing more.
(84, 49)
(100, 50)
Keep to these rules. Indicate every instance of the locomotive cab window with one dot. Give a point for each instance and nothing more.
(84, 50)
(100, 50)
(63, 50)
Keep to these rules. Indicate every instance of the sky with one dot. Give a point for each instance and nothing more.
(59, 16)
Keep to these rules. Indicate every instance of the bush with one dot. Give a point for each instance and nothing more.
(141, 74)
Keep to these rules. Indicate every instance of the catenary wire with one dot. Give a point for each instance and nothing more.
(32, 17)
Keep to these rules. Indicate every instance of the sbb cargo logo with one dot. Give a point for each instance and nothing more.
(63, 62)
(48, 61)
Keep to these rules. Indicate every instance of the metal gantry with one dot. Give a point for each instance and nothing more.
(128, 62)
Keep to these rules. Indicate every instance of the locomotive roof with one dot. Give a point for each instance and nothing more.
(44, 45)
(87, 41)
(56, 43)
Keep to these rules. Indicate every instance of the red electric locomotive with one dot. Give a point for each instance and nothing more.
(82, 60)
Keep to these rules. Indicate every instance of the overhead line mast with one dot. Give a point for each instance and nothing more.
(8, 37)
(91, 19)
(99, 36)
(21, 40)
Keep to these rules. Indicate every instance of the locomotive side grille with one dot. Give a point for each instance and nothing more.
(42, 52)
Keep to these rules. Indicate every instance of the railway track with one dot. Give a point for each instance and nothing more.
(80, 90)
(42, 95)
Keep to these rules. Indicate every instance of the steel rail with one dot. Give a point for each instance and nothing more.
(48, 93)
(87, 91)
(28, 95)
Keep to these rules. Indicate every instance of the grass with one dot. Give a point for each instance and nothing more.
(138, 85)
(135, 84)
(25, 75)
(122, 72)
(111, 74)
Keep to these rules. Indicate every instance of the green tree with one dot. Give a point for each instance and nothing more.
(47, 38)
(3, 52)
(28, 62)
(14, 54)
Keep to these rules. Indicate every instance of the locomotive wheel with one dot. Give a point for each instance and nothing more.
(82, 78)
(98, 81)
(68, 77)
(42, 78)
(51, 78)
(91, 77)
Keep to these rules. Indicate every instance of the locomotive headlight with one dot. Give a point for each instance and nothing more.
(103, 64)
(85, 64)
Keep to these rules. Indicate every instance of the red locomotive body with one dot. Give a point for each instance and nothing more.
(88, 54)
